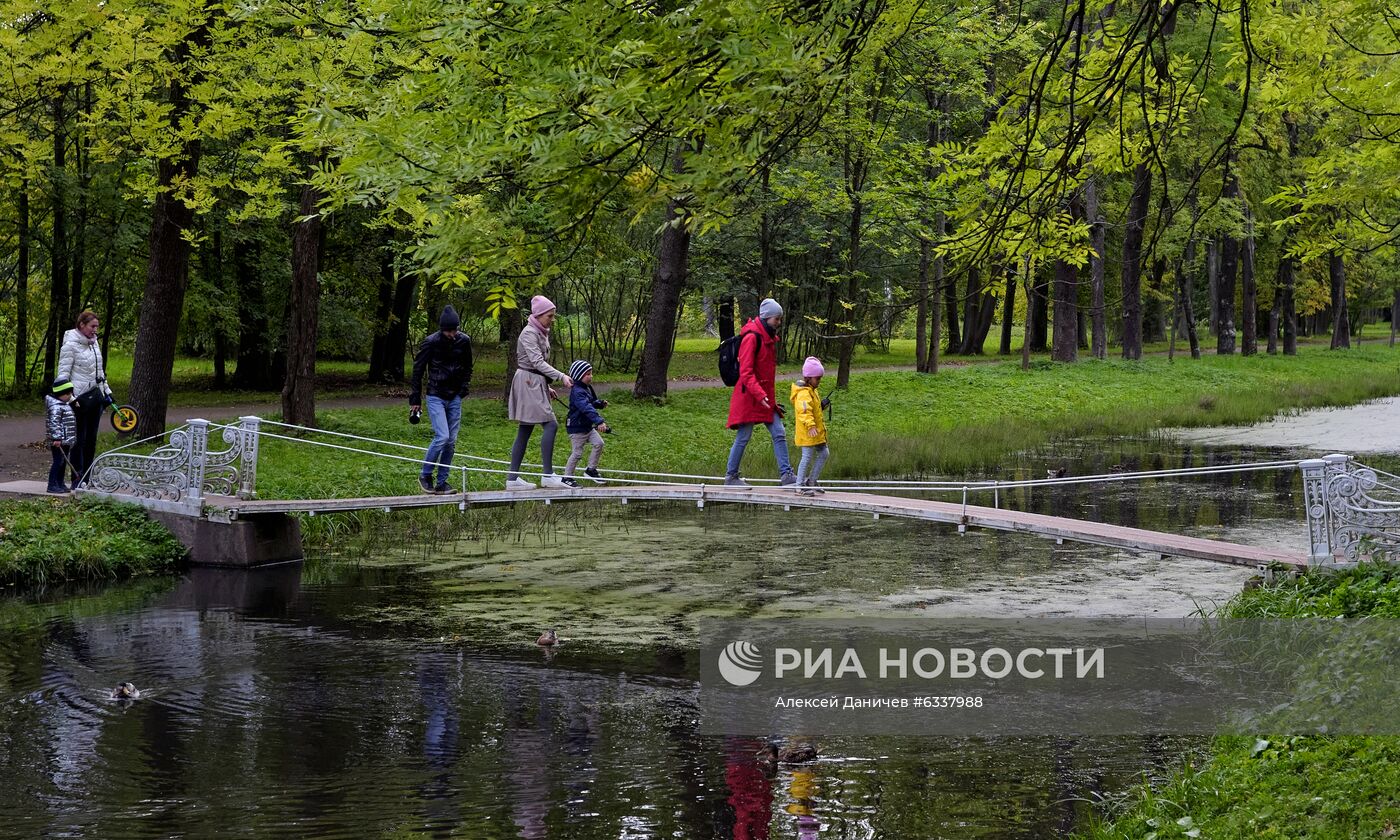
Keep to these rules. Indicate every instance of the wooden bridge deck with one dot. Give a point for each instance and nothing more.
(223, 508)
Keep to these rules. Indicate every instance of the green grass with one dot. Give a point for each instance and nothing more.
(885, 424)
(192, 378)
(49, 540)
(1312, 787)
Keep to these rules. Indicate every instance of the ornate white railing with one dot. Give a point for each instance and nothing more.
(178, 474)
(1353, 511)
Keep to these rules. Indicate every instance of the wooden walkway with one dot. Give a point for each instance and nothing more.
(223, 508)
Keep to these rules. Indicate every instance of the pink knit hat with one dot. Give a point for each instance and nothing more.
(540, 305)
(812, 367)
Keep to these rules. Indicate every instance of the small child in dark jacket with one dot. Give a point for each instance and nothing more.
(61, 430)
(584, 423)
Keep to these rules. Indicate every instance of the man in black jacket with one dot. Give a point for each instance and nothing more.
(446, 356)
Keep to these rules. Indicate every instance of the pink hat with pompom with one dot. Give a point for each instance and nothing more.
(812, 367)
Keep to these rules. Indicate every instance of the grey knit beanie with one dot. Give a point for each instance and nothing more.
(769, 308)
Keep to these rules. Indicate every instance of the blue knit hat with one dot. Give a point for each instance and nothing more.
(61, 386)
(579, 369)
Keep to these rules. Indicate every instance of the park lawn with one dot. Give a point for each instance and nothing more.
(192, 378)
(1313, 787)
(885, 424)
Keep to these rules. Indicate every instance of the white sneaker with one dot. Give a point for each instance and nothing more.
(519, 484)
(553, 481)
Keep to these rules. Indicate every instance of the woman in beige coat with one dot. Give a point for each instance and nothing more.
(530, 395)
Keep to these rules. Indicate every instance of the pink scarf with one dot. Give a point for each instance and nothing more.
(541, 327)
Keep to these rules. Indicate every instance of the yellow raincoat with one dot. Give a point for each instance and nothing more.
(811, 423)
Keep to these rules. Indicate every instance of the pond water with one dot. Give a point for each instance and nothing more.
(386, 689)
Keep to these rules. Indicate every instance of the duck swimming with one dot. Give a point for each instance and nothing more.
(548, 639)
(770, 757)
(125, 691)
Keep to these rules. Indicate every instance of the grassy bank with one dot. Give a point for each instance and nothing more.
(48, 540)
(1321, 788)
(885, 424)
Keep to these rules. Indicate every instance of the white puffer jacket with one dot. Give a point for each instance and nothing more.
(80, 362)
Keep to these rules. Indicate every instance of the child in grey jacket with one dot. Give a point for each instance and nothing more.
(61, 429)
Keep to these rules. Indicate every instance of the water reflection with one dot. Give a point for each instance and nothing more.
(402, 696)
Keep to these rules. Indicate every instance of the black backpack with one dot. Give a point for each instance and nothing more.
(729, 357)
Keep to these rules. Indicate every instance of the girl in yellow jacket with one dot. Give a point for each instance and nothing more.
(811, 426)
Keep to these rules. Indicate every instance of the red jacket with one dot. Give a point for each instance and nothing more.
(757, 377)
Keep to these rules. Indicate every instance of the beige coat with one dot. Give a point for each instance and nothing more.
(529, 391)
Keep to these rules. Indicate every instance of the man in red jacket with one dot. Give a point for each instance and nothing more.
(755, 397)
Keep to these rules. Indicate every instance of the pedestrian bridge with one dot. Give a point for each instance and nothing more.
(1353, 511)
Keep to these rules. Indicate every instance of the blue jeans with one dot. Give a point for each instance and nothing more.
(741, 441)
(445, 417)
(814, 457)
(56, 468)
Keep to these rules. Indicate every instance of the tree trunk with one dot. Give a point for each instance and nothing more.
(1187, 291)
(1038, 317)
(986, 314)
(950, 307)
(220, 360)
(1098, 307)
(1394, 316)
(1065, 340)
(1275, 317)
(303, 325)
(83, 151)
(383, 316)
(921, 306)
(971, 300)
(1341, 325)
(1132, 261)
(726, 317)
(672, 265)
(21, 379)
(1029, 285)
(1213, 283)
(853, 244)
(60, 319)
(1229, 265)
(167, 270)
(1155, 319)
(396, 344)
(1249, 314)
(215, 274)
(1287, 281)
(1008, 312)
(935, 336)
(254, 369)
(1288, 267)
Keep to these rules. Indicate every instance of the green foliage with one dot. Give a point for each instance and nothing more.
(60, 539)
(1282, 786)
(1372, 589)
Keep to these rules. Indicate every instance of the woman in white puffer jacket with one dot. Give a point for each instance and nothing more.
(80, 362)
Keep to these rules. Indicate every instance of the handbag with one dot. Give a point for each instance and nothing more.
(93, 399)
